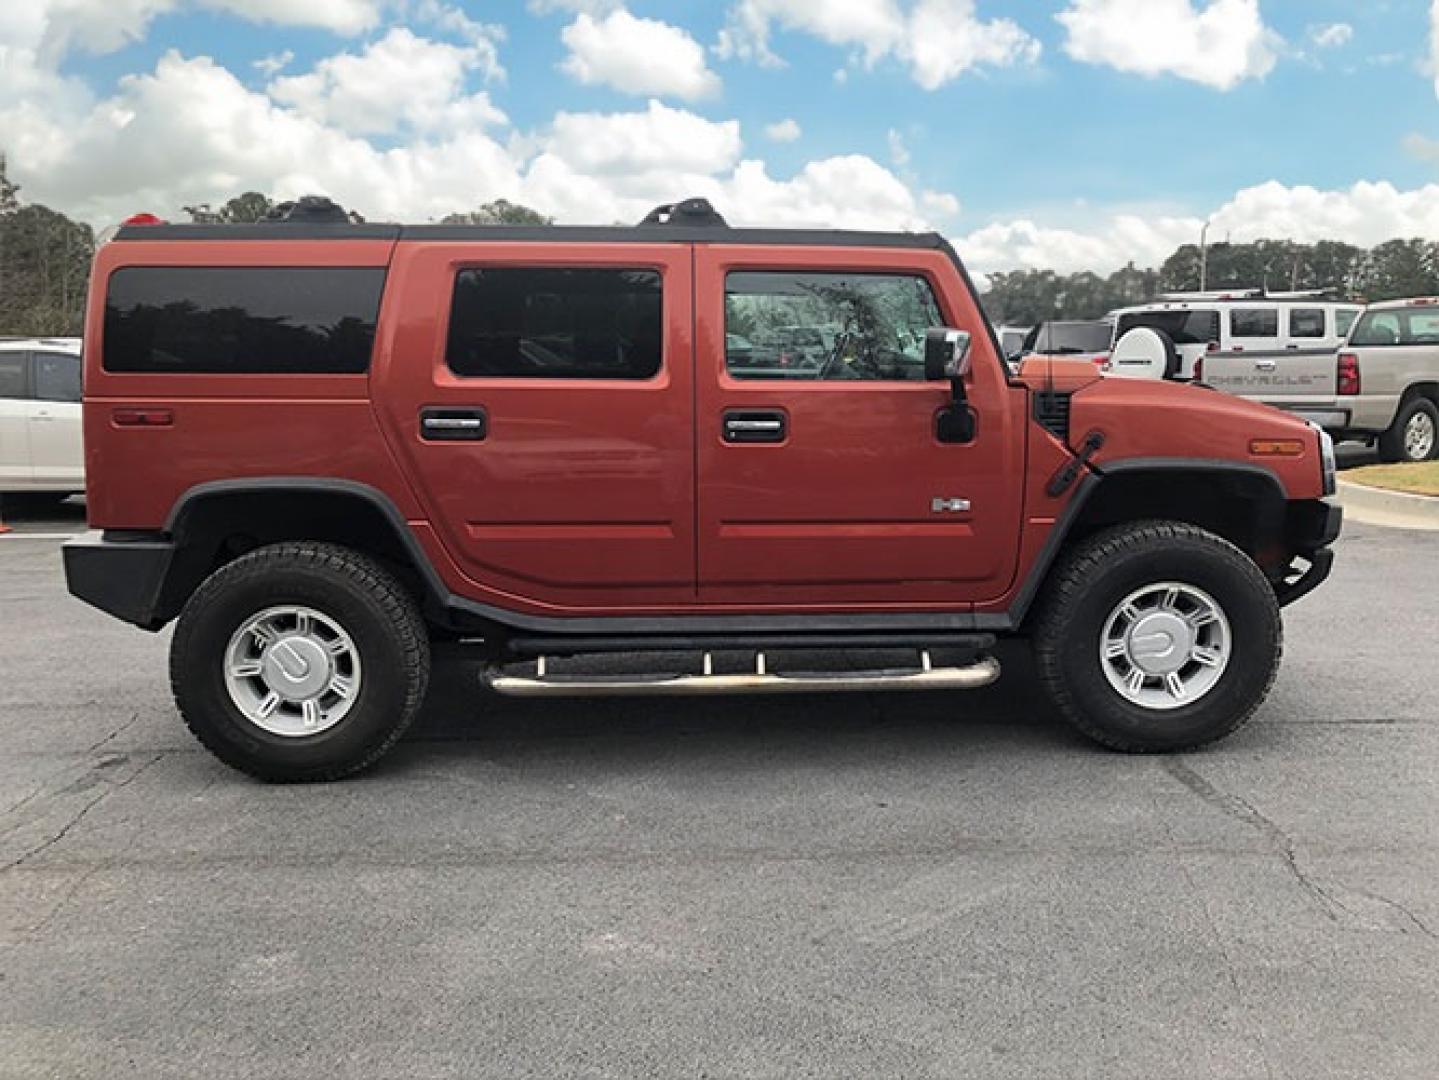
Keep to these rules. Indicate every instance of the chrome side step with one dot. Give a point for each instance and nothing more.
(970, 677)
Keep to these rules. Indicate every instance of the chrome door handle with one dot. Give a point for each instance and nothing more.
(1266, 365)
(754, 426)
(453, 425)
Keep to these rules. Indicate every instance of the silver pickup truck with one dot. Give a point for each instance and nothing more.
(1382, 385)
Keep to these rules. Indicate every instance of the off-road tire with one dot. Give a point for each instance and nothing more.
(1391, 442)
(1091, 580)
(363, 597)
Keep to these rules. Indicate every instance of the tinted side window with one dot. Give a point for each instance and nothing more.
(12, 375)
(817, 326)
(1254, 323)
(242, 320)
(57, 377)
(1377, 328)
(539, 322)
(1306, 322)
(1343, 320)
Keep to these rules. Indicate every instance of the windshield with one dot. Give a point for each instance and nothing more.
(1183, 327)
(1397, 327)
(1059, 339)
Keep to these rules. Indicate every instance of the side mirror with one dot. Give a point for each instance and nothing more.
(946, 354)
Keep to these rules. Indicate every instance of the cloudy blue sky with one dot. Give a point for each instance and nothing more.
(1062, 133)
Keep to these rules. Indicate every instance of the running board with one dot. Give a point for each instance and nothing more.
(970, 677)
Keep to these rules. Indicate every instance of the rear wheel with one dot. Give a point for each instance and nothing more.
(1414, 435)
(1158, 637)
(300, 662)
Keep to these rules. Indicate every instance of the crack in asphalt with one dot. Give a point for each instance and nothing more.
(1243, 811)
(79, 816)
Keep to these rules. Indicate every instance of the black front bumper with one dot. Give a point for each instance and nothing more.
(1309, 530)
(122, 577)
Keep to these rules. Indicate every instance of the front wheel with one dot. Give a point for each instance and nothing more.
(1157, 637)
(1414, 435)
(300, 662)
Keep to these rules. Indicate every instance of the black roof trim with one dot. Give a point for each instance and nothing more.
(261, 230)
(566, 234)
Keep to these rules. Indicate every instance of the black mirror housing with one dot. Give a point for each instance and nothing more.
(946, 353)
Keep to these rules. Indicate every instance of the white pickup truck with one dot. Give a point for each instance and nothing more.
(1382, 384)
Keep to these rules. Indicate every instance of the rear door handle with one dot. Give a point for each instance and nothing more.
(453, 425)
(755, 426)
(1266, 365)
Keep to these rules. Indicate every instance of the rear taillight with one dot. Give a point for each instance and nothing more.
(1348, 374)
(1199, 369)
(1101, 361)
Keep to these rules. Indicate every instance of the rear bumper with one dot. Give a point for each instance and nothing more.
(1311, 527)
(122, 577)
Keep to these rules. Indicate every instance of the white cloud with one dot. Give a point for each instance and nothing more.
(939, 205)
(1365, 214)
(1219, 44)
(272, 65)
(1421, 147)
(938, 40)
(398, 81)
(1434, 44)
(340, 16)
(1330, 35)
(782, 131)
(898, 152)
(637, 56)
(944, 39)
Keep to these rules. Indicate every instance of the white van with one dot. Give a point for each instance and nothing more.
(41, 442)
(1249, 338)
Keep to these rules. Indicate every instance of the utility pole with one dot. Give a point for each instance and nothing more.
(1204, 255)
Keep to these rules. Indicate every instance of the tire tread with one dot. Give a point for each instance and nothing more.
(364, 572)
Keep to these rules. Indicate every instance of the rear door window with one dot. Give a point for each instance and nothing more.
(57, 376)
(12, 375)
(272, 320)
(1254, 323)
(556, 323)
(1306, 323)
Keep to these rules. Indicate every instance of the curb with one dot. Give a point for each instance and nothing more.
(1396, 509)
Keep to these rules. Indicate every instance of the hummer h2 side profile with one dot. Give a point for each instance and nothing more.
(320, 446)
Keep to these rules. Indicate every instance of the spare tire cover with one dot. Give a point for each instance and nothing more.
(1144, 353)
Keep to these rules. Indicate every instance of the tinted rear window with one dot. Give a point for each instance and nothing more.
(1060, 338)
(556, 323)
(242, 320)
(1183, 327)
(1398, 327)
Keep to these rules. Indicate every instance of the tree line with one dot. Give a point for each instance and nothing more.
(1392, 270)
(45, 265)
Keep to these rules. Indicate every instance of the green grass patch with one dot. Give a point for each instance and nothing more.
(1418, 478)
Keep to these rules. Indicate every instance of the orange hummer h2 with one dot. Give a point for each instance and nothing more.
(320, 445)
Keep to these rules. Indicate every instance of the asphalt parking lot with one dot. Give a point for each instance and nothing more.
(877, 885)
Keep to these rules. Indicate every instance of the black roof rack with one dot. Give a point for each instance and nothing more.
(691, 220)
(692, 211)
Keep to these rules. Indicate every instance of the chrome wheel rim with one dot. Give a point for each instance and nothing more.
(292, 671)
(1419, 437)
(1165, 646)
